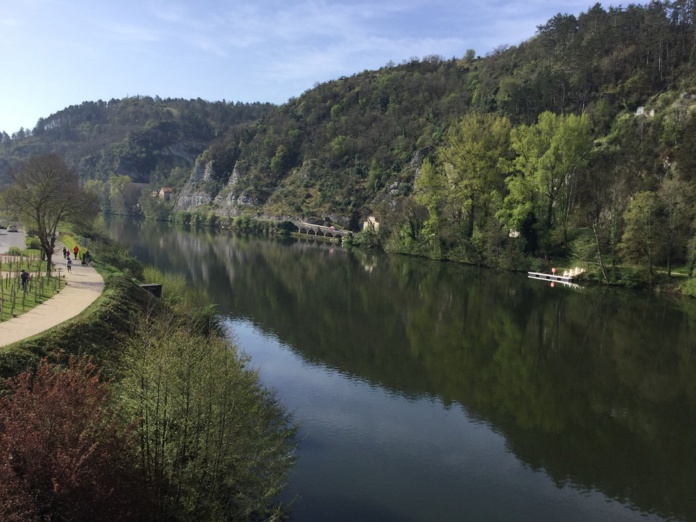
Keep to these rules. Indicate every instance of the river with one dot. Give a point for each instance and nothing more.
(436, 392)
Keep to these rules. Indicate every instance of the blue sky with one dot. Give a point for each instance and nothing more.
(56, 53)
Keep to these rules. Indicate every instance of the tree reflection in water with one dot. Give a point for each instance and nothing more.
(596, 387)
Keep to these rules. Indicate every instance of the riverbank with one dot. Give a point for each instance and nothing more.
(92, 330)
(510, 259)
(119, 333)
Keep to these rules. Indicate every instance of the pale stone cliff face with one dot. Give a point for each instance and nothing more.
(201, 190)
(196, 192)
(231, 200)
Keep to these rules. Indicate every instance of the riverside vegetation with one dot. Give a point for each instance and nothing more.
(574, 146)
(155, 414)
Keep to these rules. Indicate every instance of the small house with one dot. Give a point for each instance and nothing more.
(166, 193)
(371, 223)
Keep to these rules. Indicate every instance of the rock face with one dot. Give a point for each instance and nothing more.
(203, 190)
(197, 191)
(233, 200)
(186, 151)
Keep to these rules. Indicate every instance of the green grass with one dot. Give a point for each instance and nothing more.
(14, 302)
(29, 260)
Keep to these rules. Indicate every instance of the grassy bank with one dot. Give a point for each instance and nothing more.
(96, 332)
(199, 437)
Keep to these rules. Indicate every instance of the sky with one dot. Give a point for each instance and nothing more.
(57, 53)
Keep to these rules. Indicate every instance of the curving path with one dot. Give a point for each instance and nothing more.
(84, 286)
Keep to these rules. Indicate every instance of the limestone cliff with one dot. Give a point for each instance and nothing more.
(197, 192)
(234, 198)
(206, 188)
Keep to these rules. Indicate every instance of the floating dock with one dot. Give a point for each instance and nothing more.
(549, 277)
(566, 278)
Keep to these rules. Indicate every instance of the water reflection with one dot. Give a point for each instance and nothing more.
(597, 388)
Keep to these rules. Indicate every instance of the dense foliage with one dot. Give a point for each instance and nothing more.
(214, 444)
(536, 151)
(140, 137)
(66, 454)
(205, 441)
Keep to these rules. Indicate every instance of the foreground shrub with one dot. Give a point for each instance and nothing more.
(64, 454)
(215, 445)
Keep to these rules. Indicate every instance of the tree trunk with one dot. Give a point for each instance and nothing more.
(602, 267)
(49, 263)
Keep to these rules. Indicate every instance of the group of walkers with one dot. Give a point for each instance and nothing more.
(86, 257)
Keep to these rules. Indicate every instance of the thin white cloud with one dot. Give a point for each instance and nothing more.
(207, 44)
(133, 33)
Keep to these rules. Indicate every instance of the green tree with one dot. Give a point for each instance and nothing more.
(597, 195)
(431, 192)
(281, 161)
(550, 156)
(474, 163)
(45, 193)
(153, 207)
(101, 190)
(118, 195)
(675, 198)
(643, 241)
(215, 445)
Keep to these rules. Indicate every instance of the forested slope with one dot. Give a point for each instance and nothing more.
(577, 142)
(141, 137)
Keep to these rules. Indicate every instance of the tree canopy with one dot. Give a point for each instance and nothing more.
(44, 194)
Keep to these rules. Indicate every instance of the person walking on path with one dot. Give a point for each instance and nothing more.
(75, 250)
(65, 252)
(25, 280)
(69, 264)
(86, 285)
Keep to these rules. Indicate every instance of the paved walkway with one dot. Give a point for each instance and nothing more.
(84, 286)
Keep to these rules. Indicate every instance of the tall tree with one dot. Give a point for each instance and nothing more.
(431, 192)
(215, 445)
(45, 193)
(551, 154)
(643, 240)
(118, 200)
(474, 163)
(603, 194)
(675, 197)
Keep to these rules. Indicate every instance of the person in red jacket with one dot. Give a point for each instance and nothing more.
(75, 250)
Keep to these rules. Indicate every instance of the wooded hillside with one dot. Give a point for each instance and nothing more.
(574, 143)
(141, 137)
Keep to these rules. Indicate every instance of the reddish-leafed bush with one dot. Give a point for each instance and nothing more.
(64, 453)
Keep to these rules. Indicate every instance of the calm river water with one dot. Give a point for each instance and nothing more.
(434, 392)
